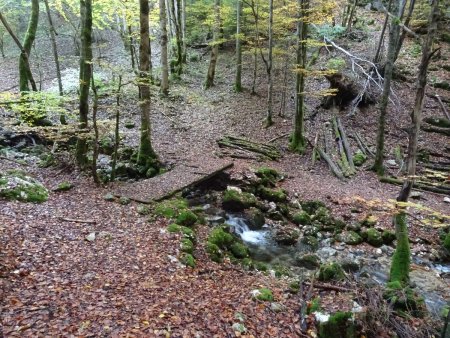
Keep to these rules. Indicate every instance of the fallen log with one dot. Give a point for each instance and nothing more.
(333, 167)
(416, 186)
(329, 287)
(346, 144)
(444, 109)
(431, 129)
(267, 150)
(438, 122)
(438, 167)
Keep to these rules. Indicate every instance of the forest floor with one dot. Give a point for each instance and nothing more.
(127, 283)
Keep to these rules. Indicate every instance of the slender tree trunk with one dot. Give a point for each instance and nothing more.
(164, 60)
(147, 159)
(54, 47)
(215, 48)
(169, 5)
(23, 52)
(85, 75)
(238, 80)
(376, 58)
(255, 51)
(116, 131)
(298, 139)
(351, 15)
(94, 125)
(269, 66)
(406, 23)
(2, 44)
(393, 39)
(24, 71)
(401, 259)
(132, 51)
(183, 29)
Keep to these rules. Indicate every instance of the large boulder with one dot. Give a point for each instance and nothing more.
(17, 185)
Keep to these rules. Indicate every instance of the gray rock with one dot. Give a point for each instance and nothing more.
(90, 237)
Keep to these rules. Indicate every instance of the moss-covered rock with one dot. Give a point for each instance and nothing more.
(109, 197)
(187, 259)
(143, 210)
(404, 299)
(239, 250)
(324, 217)
(187, 232)
(171, 208)
(331, 271)
(301, 217)
(307, 261)
(374, 237)
(214, 252)
(263, 294)
(187, 218)
(369, 221)
(311, 242)
(349, 265)
(349, 237)
(273, 195)
(220, 237)
(268, 176)
(187, 246)
(255, 217)
(311, 206)
(359, 159)
(388, 237)
(233, 200)
(339, 325)
(64, 186)
(124, 200)
(173, 228)
(286, 236)
(17, 185)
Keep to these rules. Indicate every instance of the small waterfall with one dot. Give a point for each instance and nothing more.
(241, 229)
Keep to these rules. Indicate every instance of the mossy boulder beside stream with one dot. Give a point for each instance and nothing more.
(339, 325)
(234, 200)
(17, 185)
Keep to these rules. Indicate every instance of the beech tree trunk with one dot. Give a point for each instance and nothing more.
(23, 52)
(183, 29)
(393, 40)
(85, 75)
(298, 139)
(54, 47)
(146, 157)
(24, 71)
(238, 80)
(164, 59)
(269, 66)
(401, 259)
(215, 48)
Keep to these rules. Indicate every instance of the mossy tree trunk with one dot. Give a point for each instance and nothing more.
(146, 157)
(269, 65)
(401, 259)
(85, 76)
(393, 40)
(23, 52)
(54, 47)
(298, 139)
(238, 79)
(24, 69)
(164, 61)
(175, 8)
(215, 48)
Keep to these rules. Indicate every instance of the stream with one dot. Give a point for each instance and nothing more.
(430, 280)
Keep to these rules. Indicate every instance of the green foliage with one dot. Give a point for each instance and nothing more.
(314, 305)
(446, 243)
(187, 259)
(170, 208)
(302, 217)
(336, 64)
(359, 158)
(329, 31)
(264, 294)
(187, 218)
(239, 250)
(338, 326)
(331, 271)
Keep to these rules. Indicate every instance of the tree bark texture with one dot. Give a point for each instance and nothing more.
(54, 47)
(24, 71)
(163, 42)
(215, 48)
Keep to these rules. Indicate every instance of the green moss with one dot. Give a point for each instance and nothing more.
(359, 159)
(401, 259)
(187, 218)
(369, 221)
(187, 246)
(268, 176)
(338, 326)
(388, 237)
(310, 241)
(446, 243)
(214, 252)
(187, 259)
(221, 238)
(313, 306)
(302, 217)
(323, 216)
(274, 195)
(16, 185)
(173, 228)
(308, 261)
(124, 200)
(233, 200)
(281, 270)
(294, 287)
(311, 206)
(349, 237)
(187, 232)
(374, 237)
(331, 271)
(239, 250)
(170, 208)
(64, 186)
(260, 266)
(143, 210)
(264, 295)
(404, 299)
